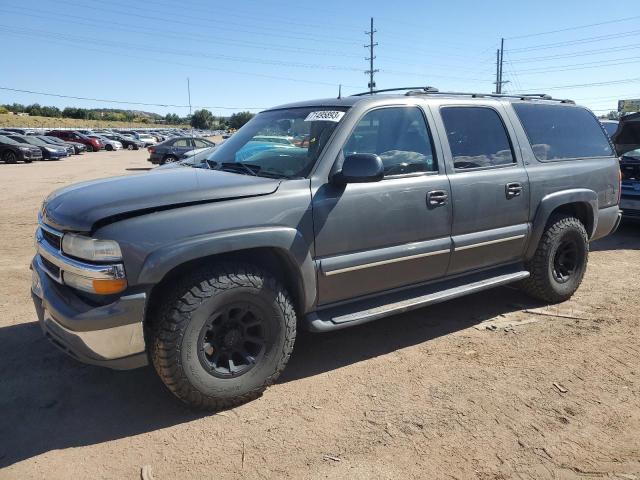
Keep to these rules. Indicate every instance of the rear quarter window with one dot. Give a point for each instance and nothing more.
(561, 132)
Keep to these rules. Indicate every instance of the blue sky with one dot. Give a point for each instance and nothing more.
(252, 54)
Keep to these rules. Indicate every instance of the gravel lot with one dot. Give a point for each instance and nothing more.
(430, 394)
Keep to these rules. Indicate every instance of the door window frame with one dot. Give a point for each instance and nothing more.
(430, 129)
(451, 159)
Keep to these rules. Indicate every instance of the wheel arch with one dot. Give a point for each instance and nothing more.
(580, 203)
(280, 251)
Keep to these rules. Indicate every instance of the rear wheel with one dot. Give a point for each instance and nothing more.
(89, 148)
(223, 336)
(10, 157)
(560, 261)
(169, 159)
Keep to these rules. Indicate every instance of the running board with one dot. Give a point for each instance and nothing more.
(356, 313)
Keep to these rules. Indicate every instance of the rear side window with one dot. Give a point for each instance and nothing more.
(560, 132)
(477, 137)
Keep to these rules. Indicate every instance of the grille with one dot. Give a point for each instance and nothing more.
(53, 269)
(51, 239)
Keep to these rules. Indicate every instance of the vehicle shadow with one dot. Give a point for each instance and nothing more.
(49, 401)
(626, 238)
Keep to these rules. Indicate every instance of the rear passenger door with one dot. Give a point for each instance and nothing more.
(489, 186)
(181, 146)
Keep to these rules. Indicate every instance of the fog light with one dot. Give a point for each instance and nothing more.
(92, 285)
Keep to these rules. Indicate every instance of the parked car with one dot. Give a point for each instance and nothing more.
(14, 152)
(207, 273)
(129, 143)
(92, 144)
(171, 150)
(78, 148)
(70, 148)
(197, 159)
(626, 137)
(20, 131)
(109, 145)
(49, 152)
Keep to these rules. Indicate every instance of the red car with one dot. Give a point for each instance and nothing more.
(92, 144)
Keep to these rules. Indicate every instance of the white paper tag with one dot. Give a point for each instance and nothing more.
(324, 116)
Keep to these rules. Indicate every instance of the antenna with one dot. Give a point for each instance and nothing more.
(339, 91)
(371, 71)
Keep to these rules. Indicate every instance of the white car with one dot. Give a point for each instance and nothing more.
(147, 139)
(109, 144)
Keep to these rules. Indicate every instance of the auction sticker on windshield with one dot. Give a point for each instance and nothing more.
(324, 116)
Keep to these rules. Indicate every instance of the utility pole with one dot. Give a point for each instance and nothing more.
(499, 64)
(371, 71)
(189, 93)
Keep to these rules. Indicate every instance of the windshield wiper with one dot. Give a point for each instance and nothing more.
(235, 166)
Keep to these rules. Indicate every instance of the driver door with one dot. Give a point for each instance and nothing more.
(372, 237)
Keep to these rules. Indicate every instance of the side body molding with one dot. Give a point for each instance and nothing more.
(288, 241)
(554, 200)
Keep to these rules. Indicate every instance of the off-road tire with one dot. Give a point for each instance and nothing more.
(175, 334)
(543, 283)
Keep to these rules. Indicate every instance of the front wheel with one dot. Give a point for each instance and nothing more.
(109, 148)
(560, 261)
(222, 336)
(129, 147)
(89, 148)
(10, 157)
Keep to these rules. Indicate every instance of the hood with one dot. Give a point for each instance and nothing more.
(627, 136)
(78, 207)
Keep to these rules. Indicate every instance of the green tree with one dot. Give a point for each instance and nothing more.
(613, 115)
(172, 118)
(237, 120)
(202, 119)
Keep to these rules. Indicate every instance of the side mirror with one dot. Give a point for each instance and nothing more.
(360, 168)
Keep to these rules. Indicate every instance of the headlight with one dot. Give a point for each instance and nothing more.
(24, 149)
(90, 248)
(49, 149)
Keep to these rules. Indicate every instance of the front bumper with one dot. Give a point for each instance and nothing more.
(109, 335)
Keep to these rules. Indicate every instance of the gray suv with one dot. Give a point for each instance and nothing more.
(378, 205)
(172, 150)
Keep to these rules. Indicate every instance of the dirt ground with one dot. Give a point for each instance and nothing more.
(492, 386)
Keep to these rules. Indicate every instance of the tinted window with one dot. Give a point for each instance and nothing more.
(399, 136)
(560, 132)
(477, 137)
(181, 143)
(201, 144)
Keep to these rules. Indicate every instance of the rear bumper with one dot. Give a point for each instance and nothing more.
(608, 222)
(106, 335)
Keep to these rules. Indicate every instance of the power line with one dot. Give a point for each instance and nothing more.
(125, 102)
(579, 27)
(581, 85)
(577, 41)
(581, 66)
(581, 53)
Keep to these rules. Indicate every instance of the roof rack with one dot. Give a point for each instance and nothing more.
(435, 91)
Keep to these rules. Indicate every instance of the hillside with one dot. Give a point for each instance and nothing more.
(8, 120)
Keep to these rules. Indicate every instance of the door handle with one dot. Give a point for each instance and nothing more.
(436, 198)
(513, 189)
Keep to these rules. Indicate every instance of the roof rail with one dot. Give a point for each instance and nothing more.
(435, 91)
(422, 89)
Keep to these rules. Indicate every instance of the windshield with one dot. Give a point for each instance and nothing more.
(34, 141)
(633, 154)
(279, 143)
(4, 139)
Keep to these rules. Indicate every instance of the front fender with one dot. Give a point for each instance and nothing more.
(552, 201)
(287, 240)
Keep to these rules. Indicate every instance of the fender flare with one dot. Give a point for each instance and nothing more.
(554, 200)
(286, 240)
